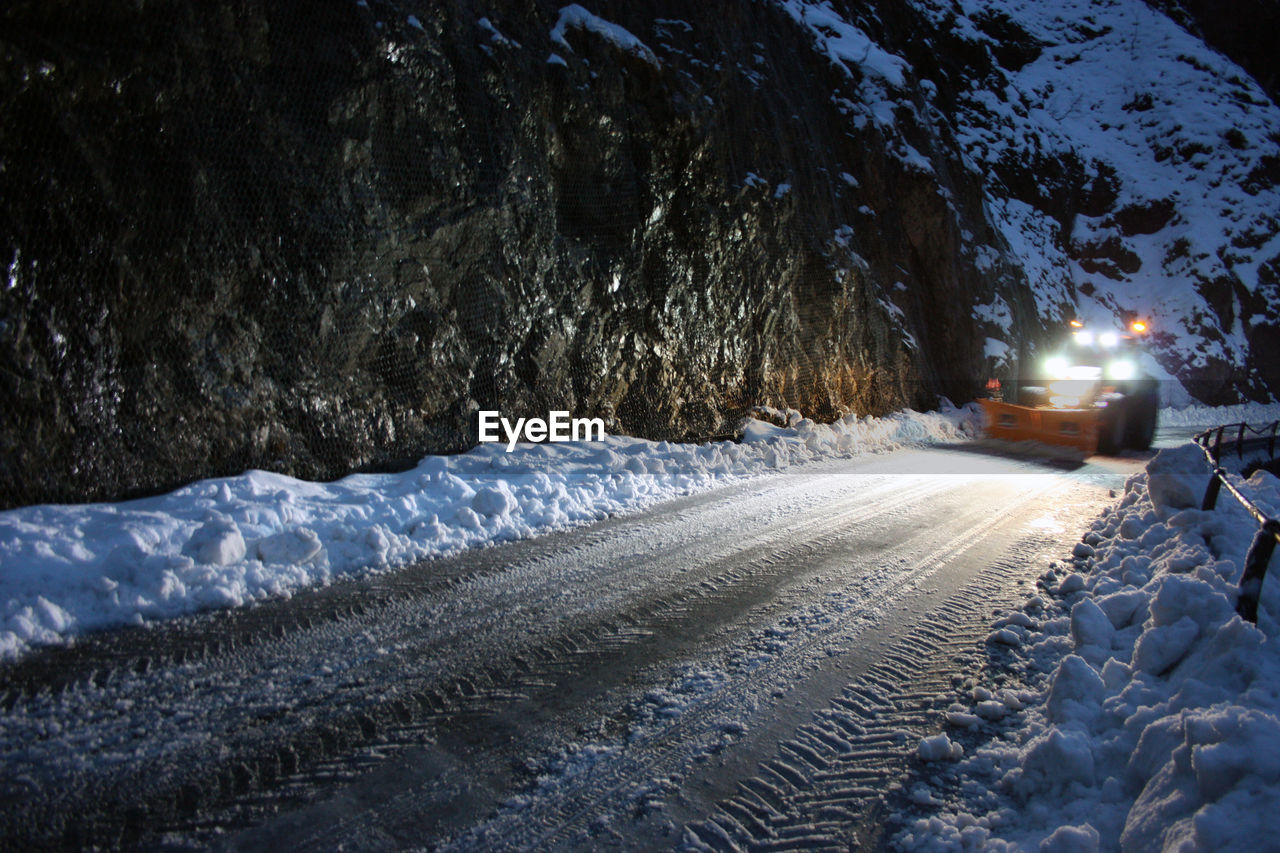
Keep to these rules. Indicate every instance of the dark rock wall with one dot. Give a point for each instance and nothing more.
(315, 237)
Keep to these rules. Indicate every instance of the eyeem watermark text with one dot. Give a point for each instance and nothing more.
(557, 426)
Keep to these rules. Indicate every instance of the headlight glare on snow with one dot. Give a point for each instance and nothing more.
(1121, 369)
(1075, 389)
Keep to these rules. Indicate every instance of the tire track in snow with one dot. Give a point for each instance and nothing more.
(97, 659)
(826, 788)
(563, 820)
(555, 665)
(260, 760)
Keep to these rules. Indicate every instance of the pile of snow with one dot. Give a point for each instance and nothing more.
(1156, 724)
(65, 570)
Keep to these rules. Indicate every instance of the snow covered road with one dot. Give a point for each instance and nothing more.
(647, 680)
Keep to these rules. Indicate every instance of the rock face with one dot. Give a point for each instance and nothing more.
(1246, 33)
(315, 237)
(318, 237)
(1136, 167)
(1176, 217)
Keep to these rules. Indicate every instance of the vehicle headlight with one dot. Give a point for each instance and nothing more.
(1122, 369)
(1084, 337)
(1055, 367)
(1108, 339)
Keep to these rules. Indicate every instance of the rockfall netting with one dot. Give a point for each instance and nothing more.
(319, 237)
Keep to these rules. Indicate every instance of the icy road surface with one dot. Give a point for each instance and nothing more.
(760, 660)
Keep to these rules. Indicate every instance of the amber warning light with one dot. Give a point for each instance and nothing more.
(1137, 327)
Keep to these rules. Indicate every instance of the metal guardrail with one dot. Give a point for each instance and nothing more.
(1268, 534)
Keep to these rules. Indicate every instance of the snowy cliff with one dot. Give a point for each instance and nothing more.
(1133, 170)
(317, 237)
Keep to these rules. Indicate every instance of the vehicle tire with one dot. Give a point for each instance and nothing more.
(1141, 426)
(1112, 425)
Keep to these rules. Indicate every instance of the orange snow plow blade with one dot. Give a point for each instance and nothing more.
(1076, 428)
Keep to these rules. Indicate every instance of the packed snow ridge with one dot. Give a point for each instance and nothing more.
(65, 570)
(1154, 718)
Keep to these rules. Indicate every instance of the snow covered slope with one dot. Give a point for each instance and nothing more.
(1133, 171)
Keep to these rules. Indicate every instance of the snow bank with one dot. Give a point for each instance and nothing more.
(1157, 721)
(65, 570)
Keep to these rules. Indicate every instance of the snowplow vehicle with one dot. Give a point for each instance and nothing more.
(1089, 394)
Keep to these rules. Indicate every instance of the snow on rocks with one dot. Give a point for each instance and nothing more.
(1121, 88)
(845, 44)
(65, 570)
(1157, 721)
(576, 17)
